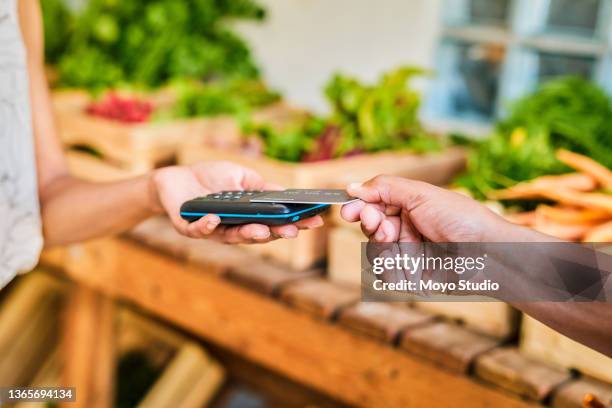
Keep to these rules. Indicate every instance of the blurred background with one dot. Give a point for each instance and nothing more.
(501, 100)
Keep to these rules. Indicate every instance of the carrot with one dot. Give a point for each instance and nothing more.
(572, 215)
(525, 218)
(568, 232)
(602, 233)
(594, 201)
(532, 189)
(588, 166)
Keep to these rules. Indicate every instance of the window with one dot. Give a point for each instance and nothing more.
(493, 51)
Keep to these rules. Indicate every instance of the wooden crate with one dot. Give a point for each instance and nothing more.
(91, 168)
(134, 147)
(437, 168)
(545, 344)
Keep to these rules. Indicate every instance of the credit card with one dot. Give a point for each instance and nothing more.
(304, 196)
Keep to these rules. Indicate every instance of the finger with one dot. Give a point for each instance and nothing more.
(388, 231)
(203, 227)
(247, 233)
(408, 232)
(285, 231)
(310, 223)
(251, 180)
(371, 218)
(350, 212)
(395, 191)
(273, 187)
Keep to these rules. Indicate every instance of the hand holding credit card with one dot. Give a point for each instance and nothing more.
(263, 207)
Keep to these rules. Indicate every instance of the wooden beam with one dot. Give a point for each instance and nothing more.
(350, 368)
(88, 348)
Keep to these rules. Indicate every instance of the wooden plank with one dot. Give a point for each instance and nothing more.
(320, 297)
(509, 369)
(543, 343)
(382, 321)
(267, 278)
(573, 393)
(190, 380)
(88, 347)
(447, 345)
(35, 341)
(28, 327)
(492, 318)
(205, 387)
(350, 368)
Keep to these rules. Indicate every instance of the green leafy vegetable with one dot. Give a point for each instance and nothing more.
(383, 116)
(364, 118)
(223, 97)
(148, 42)
(569, 113)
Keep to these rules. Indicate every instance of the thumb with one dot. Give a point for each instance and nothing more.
(393, 191)
(251, 180)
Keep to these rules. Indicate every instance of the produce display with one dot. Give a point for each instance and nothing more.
(581, 208)
(364, 118)
(107, 43)
(569, 113)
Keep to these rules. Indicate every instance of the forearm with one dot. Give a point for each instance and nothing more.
(589, 323)
(535, 282)
(75, 210)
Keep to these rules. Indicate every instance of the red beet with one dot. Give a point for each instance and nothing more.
(122, 109)
(326, 145)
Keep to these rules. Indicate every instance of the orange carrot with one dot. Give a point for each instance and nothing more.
(532, 189)
(588, 166)
(602, 233)
(572, 215)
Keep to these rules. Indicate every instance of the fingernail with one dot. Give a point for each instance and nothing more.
(380, 235)
(319, 223)
(261, 236)
(387, 227)
(354, 186)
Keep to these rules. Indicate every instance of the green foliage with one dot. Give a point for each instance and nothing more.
(289, 144)
(149, 42)
(364, 118)
(383, 116)
(223, 97)
(569, 113)
(57, 28)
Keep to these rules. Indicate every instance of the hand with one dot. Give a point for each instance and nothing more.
(172, 186)
(394, 209)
